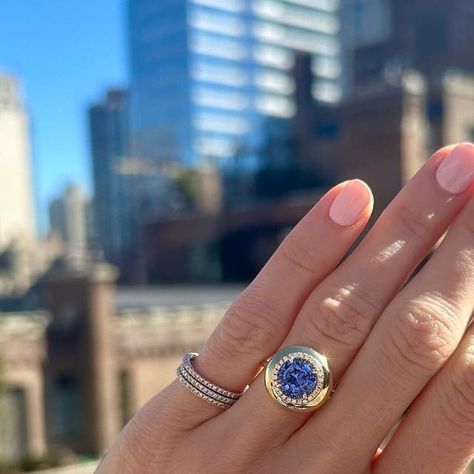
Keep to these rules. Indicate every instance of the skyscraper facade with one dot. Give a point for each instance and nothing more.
(68, 218)
(430, 36)
(365, 23)
(207, 73)
(17, 216)
(109, 134)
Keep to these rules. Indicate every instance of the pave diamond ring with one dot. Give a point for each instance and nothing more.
(298, 378)
(203, 388)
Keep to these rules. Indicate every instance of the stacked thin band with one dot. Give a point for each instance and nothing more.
(203, 388)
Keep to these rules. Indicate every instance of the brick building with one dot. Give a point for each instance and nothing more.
(73, 375)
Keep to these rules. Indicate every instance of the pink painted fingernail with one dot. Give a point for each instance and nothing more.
(350, 203)
(456, 172)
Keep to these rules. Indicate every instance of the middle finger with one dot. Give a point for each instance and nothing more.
(413, 339)
(339, 314)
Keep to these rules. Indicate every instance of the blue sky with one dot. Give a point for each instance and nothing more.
(67, 53)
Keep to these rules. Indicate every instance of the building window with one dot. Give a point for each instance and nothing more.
(228, 5)
(326, 5)
(208, 46)
(220, 123)
(274, 81)
(274, 57)
(13, 438)
(326, 67)
(326, 91)
(296, 39)
(203, 71)
(217, 99)
(275, 106)
(217, 23)
(295, 16)
(66, 409)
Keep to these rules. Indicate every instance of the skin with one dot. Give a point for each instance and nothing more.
(402, 354)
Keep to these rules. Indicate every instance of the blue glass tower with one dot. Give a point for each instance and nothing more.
(205, 74)
(109, 136)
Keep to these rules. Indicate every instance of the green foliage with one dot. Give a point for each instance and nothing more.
(185, 182)
(30, 464)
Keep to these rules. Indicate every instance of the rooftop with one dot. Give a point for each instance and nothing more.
(149, 297)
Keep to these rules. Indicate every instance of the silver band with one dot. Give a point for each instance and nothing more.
(203, 388)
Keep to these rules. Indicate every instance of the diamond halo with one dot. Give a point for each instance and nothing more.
(298, 378)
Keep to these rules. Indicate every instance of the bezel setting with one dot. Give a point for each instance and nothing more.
(320, 370)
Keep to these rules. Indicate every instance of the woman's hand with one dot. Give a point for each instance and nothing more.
(393, 349)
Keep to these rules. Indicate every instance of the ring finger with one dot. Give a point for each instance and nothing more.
(260, 318)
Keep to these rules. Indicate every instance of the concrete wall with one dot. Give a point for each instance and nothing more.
(22, 354)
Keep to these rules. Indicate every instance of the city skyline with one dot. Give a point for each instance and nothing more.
(65, 56)
(80, 51)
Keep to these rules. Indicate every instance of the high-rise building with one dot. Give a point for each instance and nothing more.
(17, 216)
(430, 36)
(364, 22)
(207, 73)
(68, 218)
(108, 129)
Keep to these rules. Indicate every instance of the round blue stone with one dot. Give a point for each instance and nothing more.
(296, 378)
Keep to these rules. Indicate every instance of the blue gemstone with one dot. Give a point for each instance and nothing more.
(296, 378)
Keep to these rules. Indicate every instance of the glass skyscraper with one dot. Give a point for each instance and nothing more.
(206, 74)
(109, 137)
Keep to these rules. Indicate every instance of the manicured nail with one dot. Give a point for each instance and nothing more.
(456, 172)
(350, 203)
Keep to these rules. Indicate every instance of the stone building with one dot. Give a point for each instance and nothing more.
(73, 375)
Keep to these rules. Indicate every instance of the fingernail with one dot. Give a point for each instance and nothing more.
(350, 203)
(456, 172)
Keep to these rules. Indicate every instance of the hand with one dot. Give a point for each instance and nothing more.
(399, 353)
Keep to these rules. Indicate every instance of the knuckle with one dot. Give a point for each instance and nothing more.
(422, 337)
(249, 326)
(344, 318)
(463, 382)
(301, 253)
(459, 411)
(412, 221)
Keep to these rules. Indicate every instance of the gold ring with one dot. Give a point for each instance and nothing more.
(298, 378)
